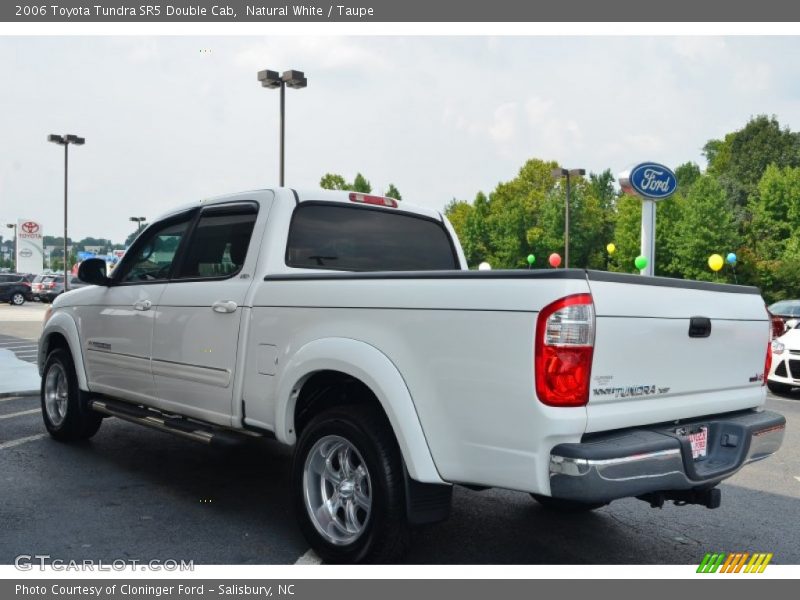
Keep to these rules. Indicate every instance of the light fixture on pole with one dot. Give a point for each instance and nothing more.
(293, 79)
(138, 221)
(558, 174)
(14, 244)
(66, 140)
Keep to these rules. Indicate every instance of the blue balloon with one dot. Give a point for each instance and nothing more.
(731, 258)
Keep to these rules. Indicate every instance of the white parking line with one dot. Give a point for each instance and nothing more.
(309, 558)
(10, 398)
(20, 441)
(20, 414)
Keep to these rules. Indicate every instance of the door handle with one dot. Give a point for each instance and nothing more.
(699, 327)
(142, 305)
(224, 306)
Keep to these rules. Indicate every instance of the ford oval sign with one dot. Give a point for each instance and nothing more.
(652, 180)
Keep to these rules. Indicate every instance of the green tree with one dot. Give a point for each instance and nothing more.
(361, 185)
(741, 157)
(393, 192)
(627, 234)
(775, 210)
(514, 217)
(705, 226)
(687, 174)
(333, 181)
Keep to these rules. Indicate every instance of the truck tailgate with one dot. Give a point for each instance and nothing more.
(649, 368)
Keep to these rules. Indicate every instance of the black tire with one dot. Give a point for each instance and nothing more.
(78, 422)
(778, 388)
(385, 534)
(563, 505)
(17, 299)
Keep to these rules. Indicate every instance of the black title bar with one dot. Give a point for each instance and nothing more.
(401, 10)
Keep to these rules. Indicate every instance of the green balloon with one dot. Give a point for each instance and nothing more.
(640, 262)
(531, 259)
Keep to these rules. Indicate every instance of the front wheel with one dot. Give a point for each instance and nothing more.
(18, 299)
(563, 505)
(65, 407)
(778, 388)
(348, 487)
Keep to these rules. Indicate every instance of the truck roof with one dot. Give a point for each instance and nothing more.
(307, 195)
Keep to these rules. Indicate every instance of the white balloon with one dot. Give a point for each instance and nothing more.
(484, 266)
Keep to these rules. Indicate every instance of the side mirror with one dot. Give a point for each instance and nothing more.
(93, 271)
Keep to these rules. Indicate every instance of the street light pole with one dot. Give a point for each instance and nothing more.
(14, 244)
(293, 79)
(558, 174)
(138, 221)
(66, 140)
(66, 187)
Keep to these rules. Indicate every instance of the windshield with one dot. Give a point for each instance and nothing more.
(786, 308)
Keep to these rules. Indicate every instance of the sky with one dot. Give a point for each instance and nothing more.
(172, 120)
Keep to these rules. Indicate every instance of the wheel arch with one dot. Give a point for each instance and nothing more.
(61, 331)
(371, 368)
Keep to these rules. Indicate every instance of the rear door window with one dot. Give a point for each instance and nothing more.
(345, 238)
(219, 243)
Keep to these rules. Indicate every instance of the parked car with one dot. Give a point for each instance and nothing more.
(52, 286)
(348, 326)
(15, 289)
(785, 372)
(36, 286)
(787, 311)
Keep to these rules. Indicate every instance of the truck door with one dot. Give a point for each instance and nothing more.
(200, 313)
(117, 326)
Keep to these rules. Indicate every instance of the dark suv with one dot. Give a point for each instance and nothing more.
(14, 288)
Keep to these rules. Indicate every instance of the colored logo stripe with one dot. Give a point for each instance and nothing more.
(735, 562)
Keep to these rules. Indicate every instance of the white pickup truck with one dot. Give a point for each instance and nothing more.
(348, 326)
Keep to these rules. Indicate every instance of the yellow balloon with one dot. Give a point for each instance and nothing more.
(611, 248)
(715, 261)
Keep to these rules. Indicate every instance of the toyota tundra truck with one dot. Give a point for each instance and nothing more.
(349, 327)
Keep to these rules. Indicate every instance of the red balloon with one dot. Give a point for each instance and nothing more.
(554, 259)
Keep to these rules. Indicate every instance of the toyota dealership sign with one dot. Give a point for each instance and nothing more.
(30, 255)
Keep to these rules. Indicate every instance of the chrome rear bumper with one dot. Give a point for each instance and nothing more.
(643, 460)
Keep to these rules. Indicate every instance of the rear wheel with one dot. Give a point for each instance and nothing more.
(563, 505)
(65, 407)
(348, 487)
(778, 388)
(17, 299)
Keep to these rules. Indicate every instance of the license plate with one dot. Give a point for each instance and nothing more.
(699, 441)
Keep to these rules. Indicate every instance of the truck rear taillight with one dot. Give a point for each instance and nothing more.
(564, 347)
(377, 200)
(778, 325)
(767, 363)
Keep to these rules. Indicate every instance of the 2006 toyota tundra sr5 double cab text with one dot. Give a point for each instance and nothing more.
(348, 326)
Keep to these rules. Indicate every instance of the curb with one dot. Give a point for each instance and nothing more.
(22, 393)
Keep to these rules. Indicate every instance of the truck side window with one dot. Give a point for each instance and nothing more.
(153, 258)
(219, 244)
(347, 238)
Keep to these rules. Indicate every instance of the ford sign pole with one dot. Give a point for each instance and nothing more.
(651, 182)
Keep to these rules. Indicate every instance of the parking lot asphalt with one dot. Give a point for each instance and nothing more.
(134, 493)
(22, 321)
